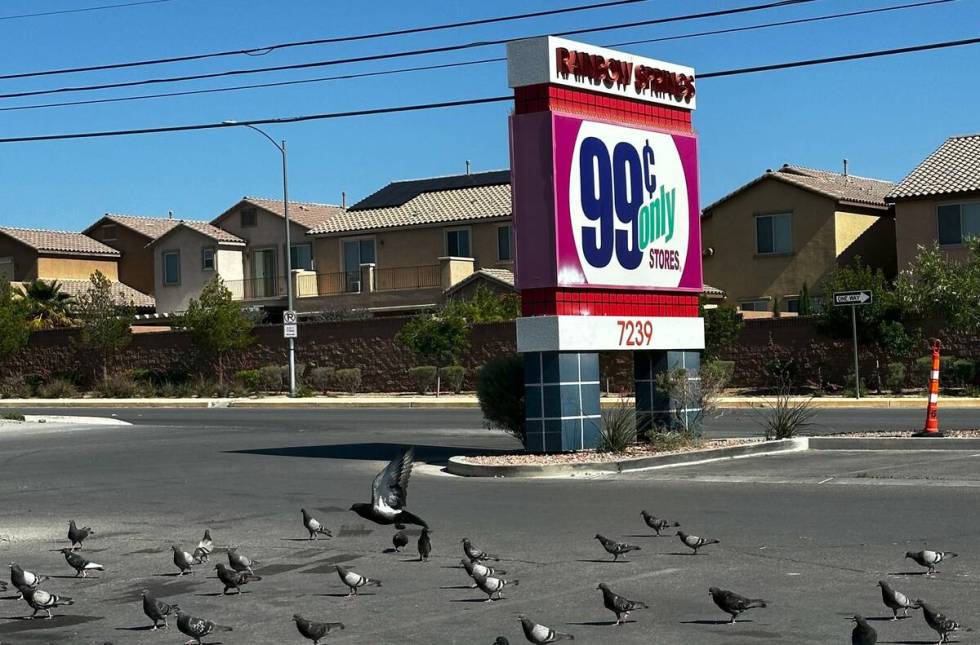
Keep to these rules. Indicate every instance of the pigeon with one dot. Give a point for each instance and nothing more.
(313, 526)
(619, 605)
(474, 569)
(3, 585)
(475, 554)
(204, 548)
(425, 545)
(389, 493)
(492, 586)
(929, 558)
(182, 559)
(500, 640)
(197, 628)
(896, 600)
(354, 580)
(539, 634)
(732, 603)
(863, 633)
(234, 579)
(694, 542)
(314, 630)
(938, 621)
(156, 610)
(77, 535)
(400, 541)
(24, 579)
(41, 600)
(80, 564)
(656, 523)
(240, 562)
(615, 548)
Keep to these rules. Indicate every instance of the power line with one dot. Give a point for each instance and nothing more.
(82, 9)
(478, 101)
(260, 51)
(420, 68)
(415, 52)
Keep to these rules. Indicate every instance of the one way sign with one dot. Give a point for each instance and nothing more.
(862, 297)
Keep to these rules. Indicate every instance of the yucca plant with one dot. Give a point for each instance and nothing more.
(617, 431)
(784, 417)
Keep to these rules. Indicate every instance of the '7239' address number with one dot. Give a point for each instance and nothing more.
(635, 333)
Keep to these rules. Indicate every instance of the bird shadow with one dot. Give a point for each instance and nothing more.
(170, 575)
(10, 598)
(412, 560)
(343, 595)
(606, 560)
(72, 577)
(221, 593)
(907, 642)
(390, 551)
(458, 587)
(473, 600)
(683, 555)
(433, 455)
(886, 619)
(908, 574)
(141, 628)
(712, 622)
(599, 623)
(645, 535)
(298, 540)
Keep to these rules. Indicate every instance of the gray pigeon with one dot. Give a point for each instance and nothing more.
(389, 494)
(539, 634)
(156, 610)
(41, 600)
(694, 542)
(492, 586)
(480, 569)
(354, 580)
(182, 559)
(929, 559)
(197, 628)
(656, 523)
(896, 600)
(615, 548)
(939, 622)
(500, 640)
(399, 540)
(240, 562)
(732, 603)
(23, 579)
(619, 605)
(314, 630)
(863, 633)
(78, 535)
(313, 526)
(204, 548)
(474, 553)
(234, 579)
(80, 564)
(425, 545)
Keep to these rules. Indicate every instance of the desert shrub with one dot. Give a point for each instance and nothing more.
(57, 388)
(720, 371)
(208, 388)
(271, 378)
(320, 378)
(348, 379)
(617, 432)
(783, 417)
(166, 390)
(249, 380)
(500, 390)
(15, 387)
(423, 378)
(963, 372)
(184, 389)
(120, 385)
(895, 377)
(922, 367)
(304, 391)
(667, 440)
(849, 391)
(12, 416)
(452, 377)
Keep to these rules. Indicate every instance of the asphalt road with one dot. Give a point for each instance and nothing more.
(813, 550)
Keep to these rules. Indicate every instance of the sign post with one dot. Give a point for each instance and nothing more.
(854, 299)
(289, 328)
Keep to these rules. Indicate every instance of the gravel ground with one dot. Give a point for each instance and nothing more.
(591, 456)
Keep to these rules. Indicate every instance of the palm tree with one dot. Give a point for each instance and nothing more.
(48, 305)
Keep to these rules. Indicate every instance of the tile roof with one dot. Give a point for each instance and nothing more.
(308, 214)
(122, 294)
(213, 232)
(501, 276)
(59, 242)
(398, 193)
(151, 227)
(953, 168)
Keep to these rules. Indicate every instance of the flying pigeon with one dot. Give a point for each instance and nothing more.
(354, 580)
(656, 523)
(896, 600)
(80, 564)
(156, 610)
(619, 605)
(732, 603)
(492, 586)
(939, 622)
(694, 542)
(77, 535)
(389, 494)
(929, 558)
(234, 579)
(475, 554)
(41, 600)
(400, 541)
(539, 634)
(313, 526)
(314, 630)
(474, 569)
(24, 579)
(425, 545)
(204, 548)
(182, 559)
(863, 633)
(240, 562)
(197, 628)
(615, 548)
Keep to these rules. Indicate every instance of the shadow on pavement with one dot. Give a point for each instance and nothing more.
(434, 455)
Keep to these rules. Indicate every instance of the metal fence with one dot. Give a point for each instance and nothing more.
(417, 277)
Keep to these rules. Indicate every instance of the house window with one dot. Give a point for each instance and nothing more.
(754, 305)
(958, 222)
(249, 217)
(504, 253)
(207, 258)
(773, 234)
(356, 252)
(6, 269)
(108, 232)
(301, 257)
(791, 304)
(171, 268)
(458, 242)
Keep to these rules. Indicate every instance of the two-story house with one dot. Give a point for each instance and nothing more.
(131, 235)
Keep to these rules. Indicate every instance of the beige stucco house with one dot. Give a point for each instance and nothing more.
(131, 235)
(190, 255)
(792, 226)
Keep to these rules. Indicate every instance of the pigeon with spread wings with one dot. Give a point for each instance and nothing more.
(389, 493)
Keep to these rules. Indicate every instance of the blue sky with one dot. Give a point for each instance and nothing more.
(884, 115)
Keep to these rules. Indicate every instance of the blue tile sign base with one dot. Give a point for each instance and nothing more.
(654, 407)
(562, 401)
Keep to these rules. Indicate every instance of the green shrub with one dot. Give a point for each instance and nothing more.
(166, 390)
(500, 390)
(348, 380)
(617, 432)
(848, 390)
(57, 388)
(271, 378)
(963, 372)
(184, 389)
(320, 378)
(423, 378)
(923, 367)
(12, 416)
(663, 440)
(784, 417)
(453, 377)
(249, 380)
(721, 371)
(120, 385)
(15, 387)
(895, 377)
(304, 392)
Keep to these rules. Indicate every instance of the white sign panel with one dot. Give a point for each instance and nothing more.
(598, 333)
(862, 297)
(289, 331)
(547, 59)
(289, 317)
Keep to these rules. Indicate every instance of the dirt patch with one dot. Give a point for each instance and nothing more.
(591, 456)
(905, 434)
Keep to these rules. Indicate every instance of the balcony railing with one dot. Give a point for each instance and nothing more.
(257, 288)
(419, 277)
(310, 284)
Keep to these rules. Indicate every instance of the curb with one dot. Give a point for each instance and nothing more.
(457, 466)
(894, 443)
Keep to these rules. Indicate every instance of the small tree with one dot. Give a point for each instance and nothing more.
(105, 324)
(486, 306)
(938, 288)
(49, 305)
(806, 308)
(14, 332)
(693, 397)
(216, 324)
(437, 339)
(721, 329)
(836, 321)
